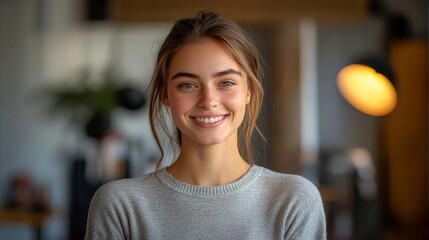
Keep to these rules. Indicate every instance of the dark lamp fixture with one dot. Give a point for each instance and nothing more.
(368, 85)
(367, 90)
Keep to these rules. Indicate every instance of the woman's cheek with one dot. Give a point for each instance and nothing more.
(181, 103)
(236, 100)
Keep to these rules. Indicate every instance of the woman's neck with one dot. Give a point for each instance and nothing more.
(211, 165)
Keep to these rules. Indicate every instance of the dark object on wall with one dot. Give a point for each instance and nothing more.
(98, 125)
(130, 98)
(376, 7)
(398, 26)
(97, 10)
(100, 122)
(91, 106)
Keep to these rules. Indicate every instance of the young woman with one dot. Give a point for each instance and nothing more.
(206, 80)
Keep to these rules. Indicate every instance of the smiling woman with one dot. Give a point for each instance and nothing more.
(207, 77)
(207, 85)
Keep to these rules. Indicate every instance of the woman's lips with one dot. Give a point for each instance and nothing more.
(209, 119)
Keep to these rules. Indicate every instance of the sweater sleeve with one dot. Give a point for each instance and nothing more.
(307, 216)
(105, 220)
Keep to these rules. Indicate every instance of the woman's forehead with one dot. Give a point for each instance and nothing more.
(204, 56)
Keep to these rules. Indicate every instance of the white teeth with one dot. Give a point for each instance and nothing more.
(209, 120)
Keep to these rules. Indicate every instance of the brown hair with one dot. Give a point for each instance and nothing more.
(229, 34)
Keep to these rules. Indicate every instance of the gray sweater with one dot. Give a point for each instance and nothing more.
(261, 205)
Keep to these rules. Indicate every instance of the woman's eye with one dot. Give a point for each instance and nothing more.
(227, 84)
(186, 85)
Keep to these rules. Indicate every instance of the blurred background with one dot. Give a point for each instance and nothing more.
(73, 112)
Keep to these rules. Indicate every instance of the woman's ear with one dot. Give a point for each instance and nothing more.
(249, 96)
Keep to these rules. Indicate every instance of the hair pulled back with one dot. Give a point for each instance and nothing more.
(207, 25)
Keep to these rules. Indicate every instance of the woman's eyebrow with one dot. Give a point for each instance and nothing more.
(215, 75)
(185, 75)
(226, 72)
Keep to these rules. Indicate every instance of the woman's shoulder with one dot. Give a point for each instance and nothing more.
(289, 184)
(300, 202)
(126, 187)
(283, 178)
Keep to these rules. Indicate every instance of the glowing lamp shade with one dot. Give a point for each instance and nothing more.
(366, 90)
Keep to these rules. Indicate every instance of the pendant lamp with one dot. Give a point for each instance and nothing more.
(368, 86)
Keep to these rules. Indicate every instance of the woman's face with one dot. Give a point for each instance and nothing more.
(207, 93)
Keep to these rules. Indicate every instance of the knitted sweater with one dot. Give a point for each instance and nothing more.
(261, 205)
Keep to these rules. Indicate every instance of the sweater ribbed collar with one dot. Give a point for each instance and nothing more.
(211, 191)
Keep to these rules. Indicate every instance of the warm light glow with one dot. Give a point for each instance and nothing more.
(366, 90)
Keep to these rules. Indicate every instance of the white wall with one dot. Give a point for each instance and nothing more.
(341, 126)
(44, 42)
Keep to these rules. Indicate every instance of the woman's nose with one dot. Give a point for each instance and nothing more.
(208, 98)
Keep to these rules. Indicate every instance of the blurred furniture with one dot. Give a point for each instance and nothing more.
(33, 219)
(81, 194)
(404, 169)
(348, 188)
